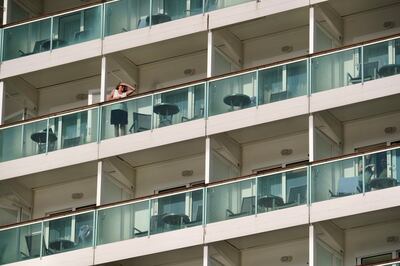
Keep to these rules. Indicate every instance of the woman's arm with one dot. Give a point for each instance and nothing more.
(129, 89)
(111, 95)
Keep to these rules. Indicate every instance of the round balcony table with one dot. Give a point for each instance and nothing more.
(389, 70)
(41, 139)
(61, 244)
(237, 100)
(175, 219)
(381, 183)
(166, 112)
(270, 202)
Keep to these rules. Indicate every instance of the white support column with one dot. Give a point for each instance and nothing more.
(205, 256)
(311, 34)
(2, 101)
(208, 160)
(311, 246)
(5, 11)
(210, 54)
(311, 138)
(103, 84)
(99, 182)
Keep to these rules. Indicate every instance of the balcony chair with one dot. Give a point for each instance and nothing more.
(196, 116)
(81, 36)
(370, 73)
(141, 122)
(33, 245)
(71, 142)
(347, 186)
(199, 217)
(248, 207)
(156, 224)
(278, 96)
(297, 196)
(139, 233)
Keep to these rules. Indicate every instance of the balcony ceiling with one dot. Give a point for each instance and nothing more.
(270, 238)
(58, 176)
(348, 7)
(164, 153)
(271, 24)
(65, 73)
(381, 216)
(271, 130)
(167, 49)
(367, 109)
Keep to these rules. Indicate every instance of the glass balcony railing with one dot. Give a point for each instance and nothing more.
(202, 206)
(282, 82)
(213, 97)
(211, 5)
(47, 237)
(232, 93)
(123, 222)
(99, 21)
(355, 175)
(176, 211)
(47, 135)
(355, 65)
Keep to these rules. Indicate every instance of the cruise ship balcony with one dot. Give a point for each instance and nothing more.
(367, 239)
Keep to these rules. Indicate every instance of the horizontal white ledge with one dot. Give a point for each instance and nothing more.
(255, 116)
(56, 57)
(354, 93)
(254, 224)
(52, 160)
(152, 138)
(162, 242)
(355, 204)
(79, 257)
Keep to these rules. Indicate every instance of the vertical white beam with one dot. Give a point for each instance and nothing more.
(311, 134)
(311, 246)
(311, 34)
(210, 54)
(205, 256)
(99, 182)
(207, 162)
(103, 84)
(2, 101)
(5, 11)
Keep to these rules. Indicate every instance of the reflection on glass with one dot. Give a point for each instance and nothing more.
(282, 190)
(177, 106)
(216, 4)
(336, 179)
(123, 222)
(126, 117)
(335, 70)
(76, 27)
(167, 10)
(126, 15)
(20, 243)
(74, 129)
(282, 82)
(384, 57)
(24, 140)
(233, 93)
(176, 211)
(231, 201)
(68, 233)
(26, 39)
(379, 172)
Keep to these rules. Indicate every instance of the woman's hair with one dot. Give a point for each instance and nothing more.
(124, 89)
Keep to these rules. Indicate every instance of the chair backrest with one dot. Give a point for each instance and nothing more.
(71, 142)
(348, 185)
(82, 35)
(248, 204)
(370, 69)
(278, 96)
(298, 194)
(141, 122)
(156, 224)
(33, 244)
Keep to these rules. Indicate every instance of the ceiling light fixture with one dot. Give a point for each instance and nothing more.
(286, 259)
(286, 152)
(187, 173)
(287, 49)
(388, 24)
(390, 130)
